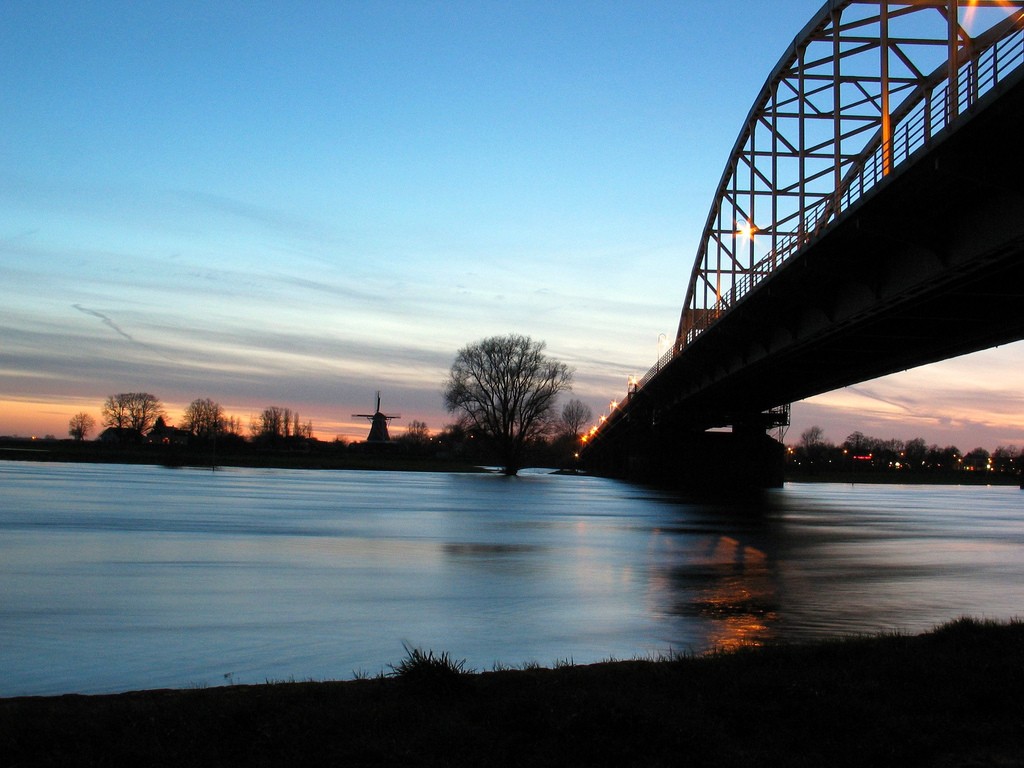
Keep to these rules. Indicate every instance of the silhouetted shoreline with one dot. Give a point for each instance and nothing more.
(375, 458)
(948, 697)
(327, 456)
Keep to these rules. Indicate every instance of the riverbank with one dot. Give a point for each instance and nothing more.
(323, 456)
(395, 458)
(896, 477)
(954, 696)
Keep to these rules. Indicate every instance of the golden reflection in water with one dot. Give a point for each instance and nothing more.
(742, 603)
(729, 584)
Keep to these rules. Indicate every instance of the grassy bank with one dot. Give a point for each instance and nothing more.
(950, 697)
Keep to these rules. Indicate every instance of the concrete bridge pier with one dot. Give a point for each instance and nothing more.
(713, 462)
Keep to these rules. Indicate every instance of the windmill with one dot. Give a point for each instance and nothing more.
(378, 423)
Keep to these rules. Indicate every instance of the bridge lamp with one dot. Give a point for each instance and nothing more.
(613, 405)
(746, 230)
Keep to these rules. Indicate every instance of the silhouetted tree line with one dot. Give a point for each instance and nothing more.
(140, 417)
(131, 419)
(503, 389)
(862, 452)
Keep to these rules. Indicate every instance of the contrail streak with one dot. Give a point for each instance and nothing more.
(106, 321)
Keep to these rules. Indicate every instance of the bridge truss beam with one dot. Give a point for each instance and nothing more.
(865, 85)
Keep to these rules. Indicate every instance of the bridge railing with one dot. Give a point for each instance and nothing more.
(977, 76)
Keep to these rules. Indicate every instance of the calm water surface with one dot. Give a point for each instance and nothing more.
(123, 577)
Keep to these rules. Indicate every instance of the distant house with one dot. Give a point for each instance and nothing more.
(162, 434)
(120, 436)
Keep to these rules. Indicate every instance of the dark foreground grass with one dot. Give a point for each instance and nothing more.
(951, 697)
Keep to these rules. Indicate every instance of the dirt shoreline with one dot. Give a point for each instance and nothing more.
(954, 696)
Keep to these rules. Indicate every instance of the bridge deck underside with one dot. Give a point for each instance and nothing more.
(929, 266)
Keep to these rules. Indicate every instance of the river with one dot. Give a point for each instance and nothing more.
(117, 577)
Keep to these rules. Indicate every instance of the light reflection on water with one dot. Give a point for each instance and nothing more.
(122, 577)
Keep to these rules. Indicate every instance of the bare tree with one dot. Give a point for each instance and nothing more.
(115, 411)
(81, 425)
(272, 423)
(575, 414)
(812, 437)
(276, 422)
(417, 433)
(232, 425)
(204, 418)
(915, 452)
(505, 388)
(132, 410)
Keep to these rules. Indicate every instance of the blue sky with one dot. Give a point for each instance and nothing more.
(300, 203)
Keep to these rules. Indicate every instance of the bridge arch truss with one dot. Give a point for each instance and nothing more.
(864, 86)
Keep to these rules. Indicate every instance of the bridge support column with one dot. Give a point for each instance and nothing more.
(712, 462)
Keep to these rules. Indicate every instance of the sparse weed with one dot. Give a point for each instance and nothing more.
(428, 667)
(285, 680)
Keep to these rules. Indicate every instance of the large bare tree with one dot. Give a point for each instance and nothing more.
(505, 388)
(132, 410)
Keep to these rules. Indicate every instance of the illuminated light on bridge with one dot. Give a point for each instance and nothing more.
(881, 162)
(973, 5)
(745, 230)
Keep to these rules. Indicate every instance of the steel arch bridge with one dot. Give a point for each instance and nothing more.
(864, 91)
(864, 86)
